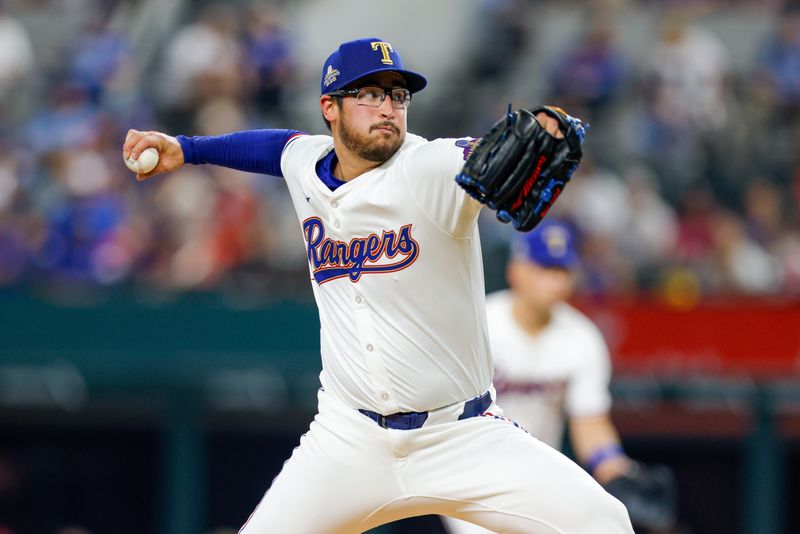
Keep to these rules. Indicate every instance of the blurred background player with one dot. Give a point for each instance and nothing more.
(552, 365)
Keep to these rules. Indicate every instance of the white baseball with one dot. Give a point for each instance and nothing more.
(146, 162)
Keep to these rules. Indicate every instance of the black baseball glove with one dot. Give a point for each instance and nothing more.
(650, 495)
(518, 169)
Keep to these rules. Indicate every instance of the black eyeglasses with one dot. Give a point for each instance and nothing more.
(374, 96)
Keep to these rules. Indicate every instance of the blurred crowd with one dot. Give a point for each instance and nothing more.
(73, 222)
(690, 183)
(689, 187)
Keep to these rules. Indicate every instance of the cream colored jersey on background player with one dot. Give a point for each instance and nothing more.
(562, 372)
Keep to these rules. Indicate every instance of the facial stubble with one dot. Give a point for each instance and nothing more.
(370, 150)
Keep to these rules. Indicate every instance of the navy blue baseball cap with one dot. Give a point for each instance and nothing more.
(354, 60)
(550, 244)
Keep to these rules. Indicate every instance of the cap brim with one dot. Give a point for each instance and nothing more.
(565, 262)
(414, 82)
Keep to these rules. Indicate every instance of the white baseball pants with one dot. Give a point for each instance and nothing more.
(349, 475)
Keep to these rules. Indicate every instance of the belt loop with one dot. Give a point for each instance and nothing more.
(476, 406)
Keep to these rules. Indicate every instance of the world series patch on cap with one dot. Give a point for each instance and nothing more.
(354, 60)
(551, 244)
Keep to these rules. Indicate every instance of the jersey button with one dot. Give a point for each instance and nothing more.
(385, 396)
(359, 300)
(336, 224)
(370, 348)
(334, 204)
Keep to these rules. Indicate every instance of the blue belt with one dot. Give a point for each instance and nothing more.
(412, 420)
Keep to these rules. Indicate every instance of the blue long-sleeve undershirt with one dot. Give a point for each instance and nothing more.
(251, 151)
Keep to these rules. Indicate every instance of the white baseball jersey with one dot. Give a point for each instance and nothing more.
(565, 370)
(397, 275)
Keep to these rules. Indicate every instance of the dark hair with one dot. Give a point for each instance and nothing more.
(338, 100)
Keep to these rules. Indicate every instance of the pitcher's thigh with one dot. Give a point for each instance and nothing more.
(528, 487)
(317, 492)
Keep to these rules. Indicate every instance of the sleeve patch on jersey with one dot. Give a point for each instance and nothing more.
(468, 145)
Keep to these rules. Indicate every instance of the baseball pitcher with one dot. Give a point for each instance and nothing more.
(407, 422)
